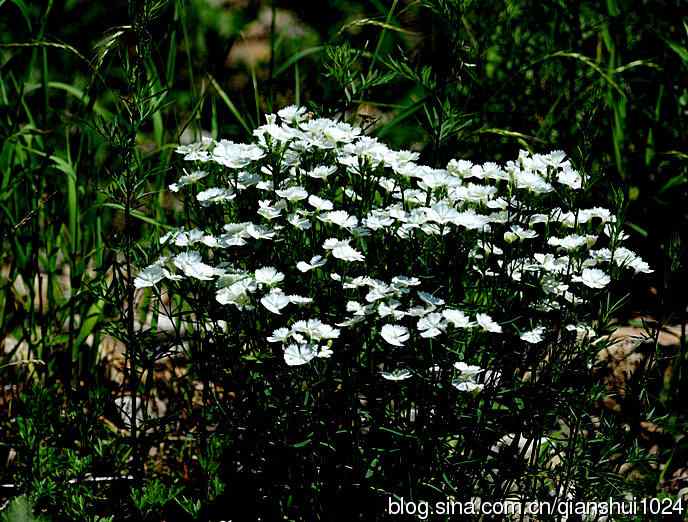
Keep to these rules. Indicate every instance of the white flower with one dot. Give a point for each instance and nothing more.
(570, 178)
(592, 278)
(236, 155)
(550, 263)
(420, 311)
(299, 221)
(215, 195)
(640, 267)
(259, 231)
(210, 241)
(268, 276)
(197, 151)
(431, 325)
(275, 301)
(316, 329)
(532, 181)
(248, 179)
(534, 219)
(494, 171)
(472, 193)
(281, 335)
(442, 213)
(292, 193)
(149, 276)
(488, 248)
(347, 253)
(396, 375)
(533, 336)
(567, 219)
(487, 324)
(377, 220)
(237, 294)
(433, 179)
(332, 243)
(457, 318)
(627, 258)
(468, 371)
(184, 239)
(325, 352)
(378, 290)
(236, 229)
(603, 214)
(396, 158)
(267, 210)
(190, 263)
(279, 133)
(519, 233)
(292, 114)
(188, 179)
(300, 300)
(467, 386)
(460, 168)
(298, 354)
(572, 241)
(556, 158)
(321, 172)
(358, 309)
(227, 240)
(405, 281)
(358, 282)
(350, 193)
(387, 309)
(395, 334)
(472, 221)
(339, 218)
(315, 262)
(319, 204)
(430, 299)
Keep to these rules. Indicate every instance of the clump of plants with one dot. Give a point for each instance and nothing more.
(370, 325)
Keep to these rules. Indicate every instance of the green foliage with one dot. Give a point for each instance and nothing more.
(93, 98)
(20, 509)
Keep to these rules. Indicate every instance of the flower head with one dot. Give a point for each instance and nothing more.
(395, 334)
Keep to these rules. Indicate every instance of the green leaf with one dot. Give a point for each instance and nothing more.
(95, 313)
(295, 58)
(368, 21)
(676, 153)
(678, 49)
(230, 105)
(676, 181)
(509, 133)
(82, 96)
(20, 509)
(24, 11)
(303, 443)
(397, 433)
(138, 215)
(587, 61)
(640, 230)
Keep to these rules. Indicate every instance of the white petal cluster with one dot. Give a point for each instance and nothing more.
(315, 205)
(466, 380)
(191, 265)
(592, 278)
(395, 334)
(188, 179)
(533, 336)
(396, 375)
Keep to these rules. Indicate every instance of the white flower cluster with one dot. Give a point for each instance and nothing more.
(345, 204)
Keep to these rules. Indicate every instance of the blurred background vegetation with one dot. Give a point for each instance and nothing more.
(95, 95)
